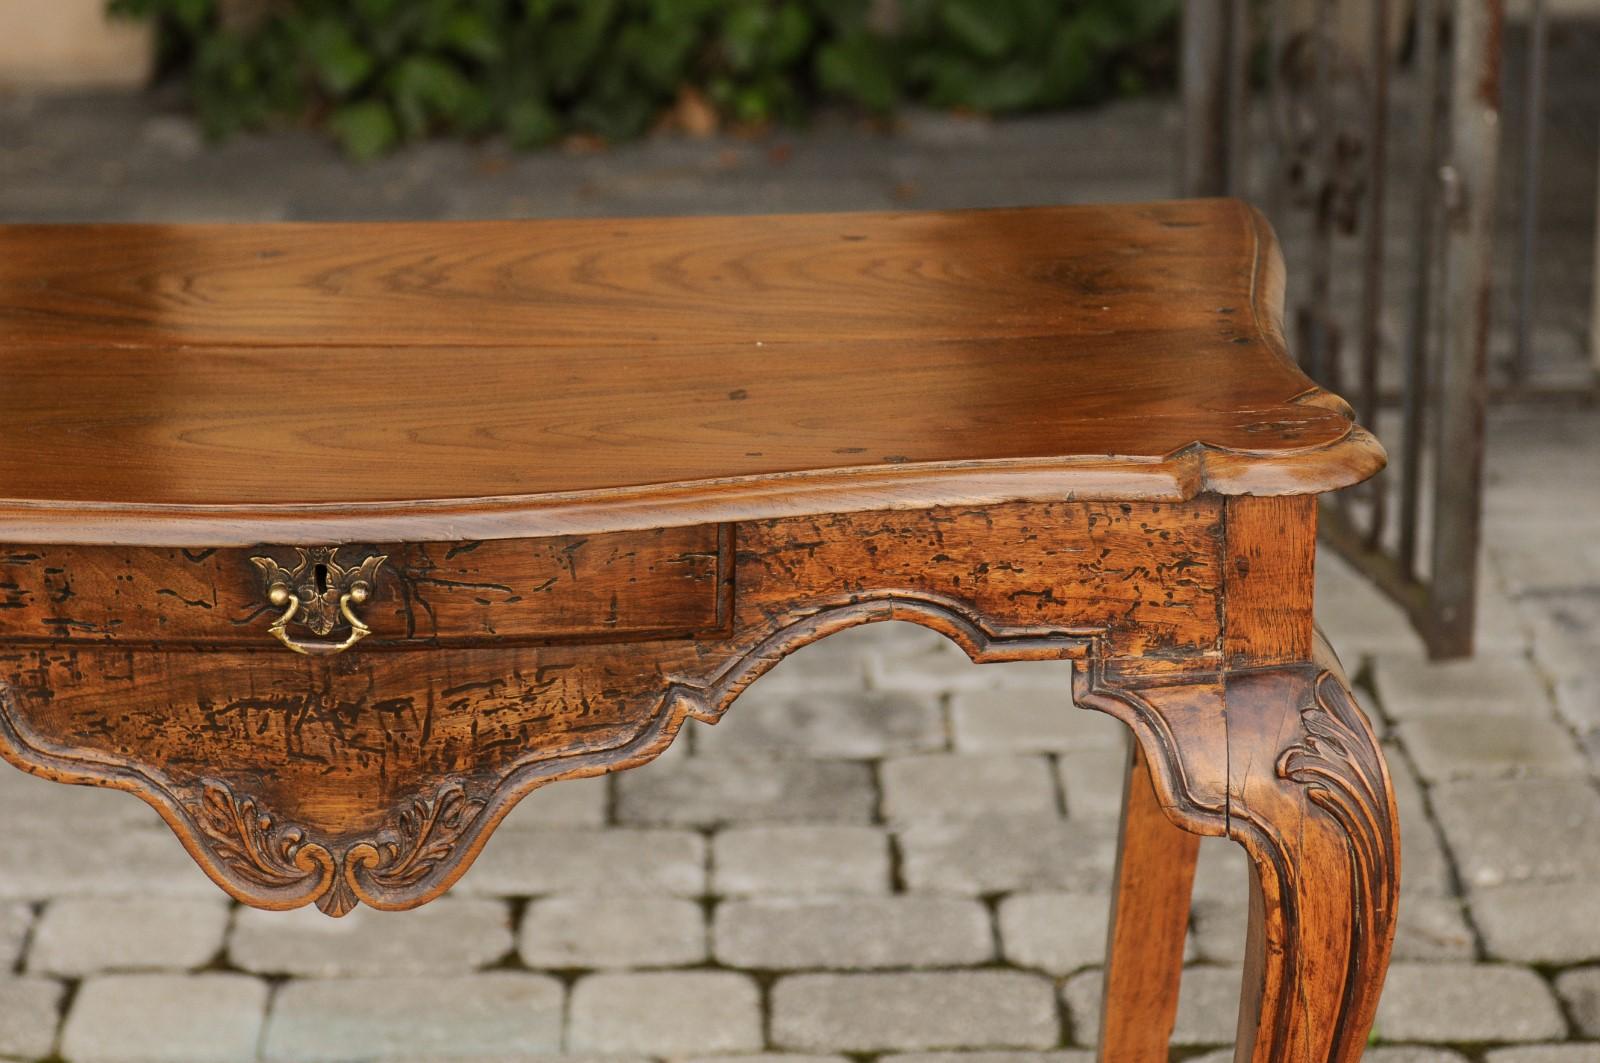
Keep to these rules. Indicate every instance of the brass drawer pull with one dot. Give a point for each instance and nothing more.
(318, 593)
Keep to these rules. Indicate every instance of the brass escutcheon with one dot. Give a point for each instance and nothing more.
(318, 593)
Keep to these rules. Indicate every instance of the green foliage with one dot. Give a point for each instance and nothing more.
(376, 73)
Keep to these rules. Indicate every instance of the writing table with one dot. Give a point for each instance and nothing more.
(333, 541)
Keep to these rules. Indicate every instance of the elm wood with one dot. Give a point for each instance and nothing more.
(669, 581)
(1042, 511)
(1287, 767)
(1268, 576)
(853, 277)
(228, 386)
(319, 784)
(1320, 825)
(376, 776)
(1149, 924)
(340, 753)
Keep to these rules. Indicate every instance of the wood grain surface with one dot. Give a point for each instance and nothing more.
(663, 582)
(617, 470)
(336, 749)
(228, 385)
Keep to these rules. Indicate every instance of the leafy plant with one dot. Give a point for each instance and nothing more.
(376, 73)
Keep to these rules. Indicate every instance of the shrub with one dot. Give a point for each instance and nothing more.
(376, 73)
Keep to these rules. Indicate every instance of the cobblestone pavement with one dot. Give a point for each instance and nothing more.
(884, 850)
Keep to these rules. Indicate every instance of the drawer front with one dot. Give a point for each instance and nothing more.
(637, 584)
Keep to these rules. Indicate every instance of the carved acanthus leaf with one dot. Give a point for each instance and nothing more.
(282, 863)
(1342, 770)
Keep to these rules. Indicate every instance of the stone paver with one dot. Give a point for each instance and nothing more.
(1217, 928)
(1091, 782)
(1581, 991)
(1425, 866)
(887, 1012)
(837, 664)
(343, 1020)
(670, 1013)
(1513, 830)
(860, 932)
(998, 854)
(1467, 1003)
(575, 803)
(1566, 638)
(942, 666)
(1433, 928)
(766, 1057)
(16, 920)
(454, 935)
(522, 862)
(1208, 1006)
(1222, 872)
(566, 932)
(43, 857)
(165, 1018)
(1013, 720)
(1564, 1053)
(860, 724)
(800, 860)
(1540, 922)
(959, 786)
(1358, 620)
(1055, 932)
(79, 936)
(1410, 686)
(1012, 1056)
(1467, 745)
(707, 792)
(30, 1011)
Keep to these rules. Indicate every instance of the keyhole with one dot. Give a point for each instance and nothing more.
(320, 574)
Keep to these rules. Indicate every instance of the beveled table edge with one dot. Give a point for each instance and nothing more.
(1177, 477)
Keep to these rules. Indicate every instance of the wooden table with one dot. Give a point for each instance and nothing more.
(333, 541)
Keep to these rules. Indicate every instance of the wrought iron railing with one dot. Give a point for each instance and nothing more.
(1368, 131)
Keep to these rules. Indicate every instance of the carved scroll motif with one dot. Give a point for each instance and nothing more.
(1323, 816)
(281, 861)
(1343, 774)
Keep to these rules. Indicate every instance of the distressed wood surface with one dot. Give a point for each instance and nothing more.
(376, 776)
(232, 385)
(667, 581)
(615, 471)
(337, 748)
(1148, 926)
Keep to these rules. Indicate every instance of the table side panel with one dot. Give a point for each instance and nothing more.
(377, 774)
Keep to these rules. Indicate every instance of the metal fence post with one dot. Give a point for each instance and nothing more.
(1463, 372)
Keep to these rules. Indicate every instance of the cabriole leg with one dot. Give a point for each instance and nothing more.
(1149, 920)
(1311, 801)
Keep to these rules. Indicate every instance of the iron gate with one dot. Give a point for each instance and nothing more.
(1367, 130)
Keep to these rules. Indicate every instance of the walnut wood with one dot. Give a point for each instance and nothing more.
(618, 470)
(1266, 601)
(208, 386)
(667, 581)
(338, 748)
(1317, 816)
(1149, 924)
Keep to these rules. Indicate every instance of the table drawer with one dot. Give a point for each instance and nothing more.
(668, 581)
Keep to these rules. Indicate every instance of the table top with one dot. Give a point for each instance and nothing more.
(233, 384)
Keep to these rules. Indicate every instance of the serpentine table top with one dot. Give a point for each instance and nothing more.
(234, 384)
